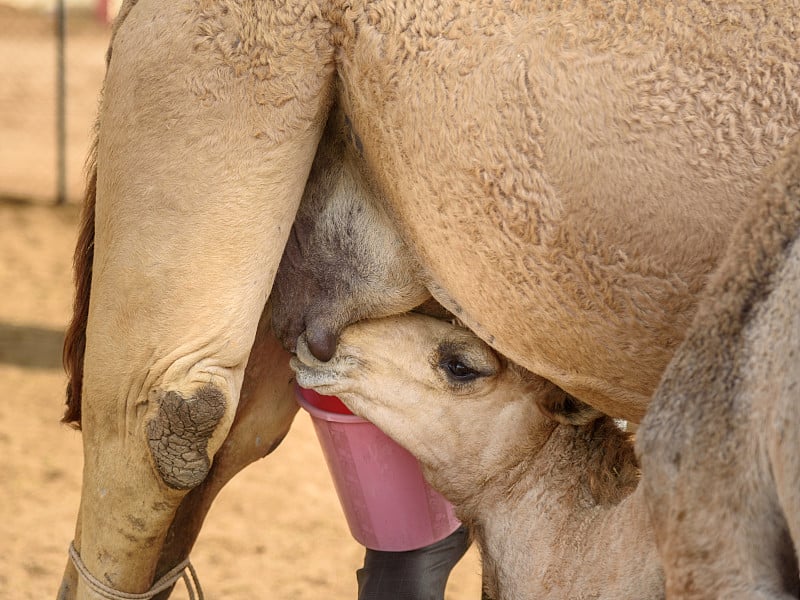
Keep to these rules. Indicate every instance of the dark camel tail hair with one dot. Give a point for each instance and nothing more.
(75, 340)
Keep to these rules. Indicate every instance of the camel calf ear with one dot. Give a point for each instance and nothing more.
(563, 408)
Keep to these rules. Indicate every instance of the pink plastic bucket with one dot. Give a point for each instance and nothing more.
(386, 501)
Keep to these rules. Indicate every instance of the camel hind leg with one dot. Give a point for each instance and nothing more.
(716, 517)
(265, 411)
(781, 384)
(202, 158)
(772, 370)
(718, 447)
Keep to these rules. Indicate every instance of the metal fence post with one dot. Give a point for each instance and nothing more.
(61, 100)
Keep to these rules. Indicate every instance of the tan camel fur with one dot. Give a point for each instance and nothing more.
(565, 177)
(549, 504)
(720, 445)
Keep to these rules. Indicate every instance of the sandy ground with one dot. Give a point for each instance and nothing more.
(277, 530)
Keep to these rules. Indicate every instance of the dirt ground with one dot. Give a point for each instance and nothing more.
(277, 530)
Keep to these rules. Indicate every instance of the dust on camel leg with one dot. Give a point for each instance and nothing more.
(202, 156)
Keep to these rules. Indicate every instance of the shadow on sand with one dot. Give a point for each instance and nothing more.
(30, 347)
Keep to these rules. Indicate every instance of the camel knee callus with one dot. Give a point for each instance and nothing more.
(179, 432)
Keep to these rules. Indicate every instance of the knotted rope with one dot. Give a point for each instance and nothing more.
(165, 582)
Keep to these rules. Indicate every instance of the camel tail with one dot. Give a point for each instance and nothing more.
(75, 340)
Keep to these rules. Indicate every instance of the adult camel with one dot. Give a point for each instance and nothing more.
(565, 176)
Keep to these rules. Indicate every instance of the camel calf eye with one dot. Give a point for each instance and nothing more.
(458, 370)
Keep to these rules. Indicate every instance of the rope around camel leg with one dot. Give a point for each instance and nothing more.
(178, 572)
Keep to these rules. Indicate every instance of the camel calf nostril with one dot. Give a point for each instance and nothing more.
(321, 343)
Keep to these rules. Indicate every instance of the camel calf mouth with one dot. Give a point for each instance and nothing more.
(179, 432)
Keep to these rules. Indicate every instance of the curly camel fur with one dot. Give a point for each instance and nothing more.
(610, 155)
(719, 446)
(552, 506)
(565, 176)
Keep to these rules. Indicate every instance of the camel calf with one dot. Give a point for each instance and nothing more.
(719, 446)
(551, 504)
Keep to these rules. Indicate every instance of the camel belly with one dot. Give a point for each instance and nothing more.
(566, 186)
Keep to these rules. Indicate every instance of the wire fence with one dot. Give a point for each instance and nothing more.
(50, 80)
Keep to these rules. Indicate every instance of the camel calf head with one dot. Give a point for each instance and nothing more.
(545, 483)
(442, 393)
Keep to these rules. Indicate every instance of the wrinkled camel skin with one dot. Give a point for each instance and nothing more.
(554, 507)
(541, 165)
(719, 447)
